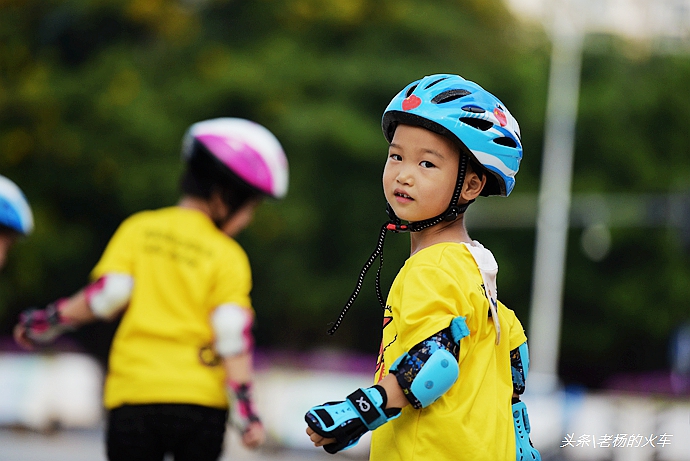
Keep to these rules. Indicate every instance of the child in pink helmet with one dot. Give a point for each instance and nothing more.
(180, 284)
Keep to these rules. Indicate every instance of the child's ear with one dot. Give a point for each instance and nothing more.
(472, 186)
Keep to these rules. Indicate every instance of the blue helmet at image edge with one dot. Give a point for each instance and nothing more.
(15, 212)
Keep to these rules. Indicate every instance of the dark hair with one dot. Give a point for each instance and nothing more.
(206, 175)
(8, 230)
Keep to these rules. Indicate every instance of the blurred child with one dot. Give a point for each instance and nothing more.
(181, 283)
(453, 360)
(16, 219)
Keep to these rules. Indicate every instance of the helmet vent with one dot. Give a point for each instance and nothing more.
(477, 123)
(410, 91)
(448, 96)
(474, 109)
(435, 82)
(505, 141)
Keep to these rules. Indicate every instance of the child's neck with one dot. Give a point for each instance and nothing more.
(454, 231)
(195, 203)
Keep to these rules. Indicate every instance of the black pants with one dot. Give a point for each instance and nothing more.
(149, 432)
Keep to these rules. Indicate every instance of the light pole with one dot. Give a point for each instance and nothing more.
(554, 198)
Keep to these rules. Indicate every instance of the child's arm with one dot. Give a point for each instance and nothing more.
(239, 371)
(419, 377)
(100, 300)
(396, 400)
(232, 326)
(519, 364)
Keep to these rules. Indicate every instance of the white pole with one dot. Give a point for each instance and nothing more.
(554, 202)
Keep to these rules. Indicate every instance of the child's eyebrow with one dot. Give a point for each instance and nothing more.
(426, 151)
(433, 152)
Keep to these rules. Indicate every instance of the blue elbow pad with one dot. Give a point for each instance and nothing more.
(437, 375)
(431, 367)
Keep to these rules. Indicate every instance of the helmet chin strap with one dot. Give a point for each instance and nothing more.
(395, 225)
(451, 214)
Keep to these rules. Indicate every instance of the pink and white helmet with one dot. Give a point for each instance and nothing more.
(246, 148)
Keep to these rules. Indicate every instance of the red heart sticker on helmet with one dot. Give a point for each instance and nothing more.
(411, 102)
(500, 116)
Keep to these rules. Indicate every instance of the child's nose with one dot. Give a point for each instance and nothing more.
(404, 176)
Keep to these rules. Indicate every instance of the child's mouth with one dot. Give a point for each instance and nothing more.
(402, 195)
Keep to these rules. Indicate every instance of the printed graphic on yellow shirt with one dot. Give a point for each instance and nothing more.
(380, 363)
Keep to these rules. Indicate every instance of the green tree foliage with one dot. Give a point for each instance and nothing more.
(96, 94)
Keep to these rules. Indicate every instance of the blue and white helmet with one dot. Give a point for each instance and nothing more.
(15, 212)
(462, 110)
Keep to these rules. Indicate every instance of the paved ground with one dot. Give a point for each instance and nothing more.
(87, 445)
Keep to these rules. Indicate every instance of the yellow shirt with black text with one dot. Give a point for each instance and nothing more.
(183, 268)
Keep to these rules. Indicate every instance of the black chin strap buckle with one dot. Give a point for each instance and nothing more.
(394, 225)
(397, 227)
(454, 211)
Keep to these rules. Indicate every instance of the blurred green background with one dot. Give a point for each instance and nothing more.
(95, 96)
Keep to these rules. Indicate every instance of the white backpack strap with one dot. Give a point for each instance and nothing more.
(488, 268)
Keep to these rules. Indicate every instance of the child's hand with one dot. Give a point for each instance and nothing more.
(254, 435)
(317, 439)
(37, 327)
(21, 338)
(337, 426)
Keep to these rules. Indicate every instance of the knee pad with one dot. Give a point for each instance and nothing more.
(434, 378)
(524, 450)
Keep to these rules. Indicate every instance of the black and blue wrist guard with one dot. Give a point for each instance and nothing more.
(347, 421)
(524, 450)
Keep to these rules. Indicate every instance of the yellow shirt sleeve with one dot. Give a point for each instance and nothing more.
(516, 333)
(233, 281)
(431, 299)
(118, 254)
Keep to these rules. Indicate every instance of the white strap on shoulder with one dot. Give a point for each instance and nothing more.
(488, 268)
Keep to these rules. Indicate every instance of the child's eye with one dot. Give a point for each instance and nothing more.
(395, 157)
(427, 164)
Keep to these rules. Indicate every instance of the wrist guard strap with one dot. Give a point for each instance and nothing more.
(45, 325)
(524, 450)
(347, 421)
(242, 406)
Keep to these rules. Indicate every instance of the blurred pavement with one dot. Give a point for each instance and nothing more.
(42, 392)
(87, 445)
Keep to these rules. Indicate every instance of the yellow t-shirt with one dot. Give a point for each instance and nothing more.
(473, 420)
(183, 268)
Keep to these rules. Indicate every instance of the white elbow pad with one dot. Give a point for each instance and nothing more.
(232, 325)
(109, 295)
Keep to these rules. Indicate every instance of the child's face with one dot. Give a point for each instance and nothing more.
(420, 174)
(7, 239)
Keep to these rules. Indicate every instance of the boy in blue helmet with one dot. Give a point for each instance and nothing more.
(453, 359)
(16, 219)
